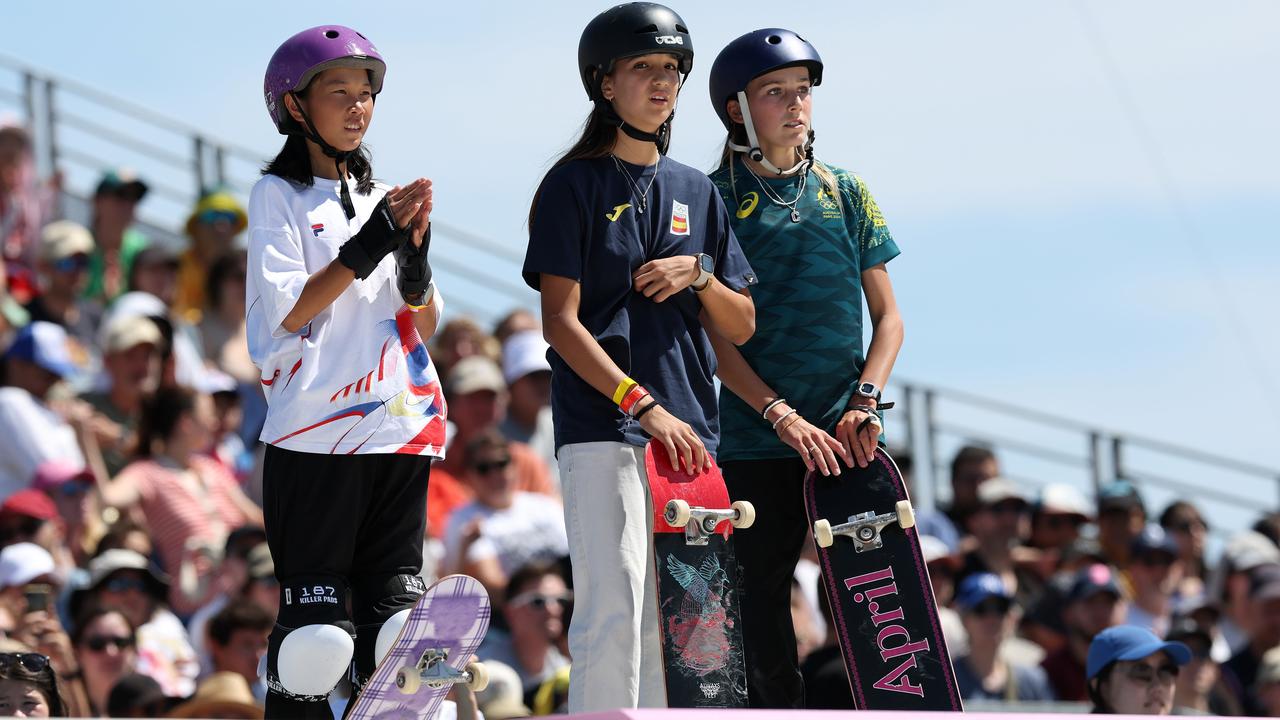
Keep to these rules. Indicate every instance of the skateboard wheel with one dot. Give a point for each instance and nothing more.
(822, 534)
(677, 513)
(479, 676)
(746, 514)
(408, 680)
(906, 514)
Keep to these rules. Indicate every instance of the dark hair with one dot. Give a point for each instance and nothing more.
(45, 680)
(1094, 687)
(970, 455)
(597, 140)
(161, 412)
(528, 574)
(115, 536)
(293, 162)
(224, 267)
(238, 615)
(88, 614)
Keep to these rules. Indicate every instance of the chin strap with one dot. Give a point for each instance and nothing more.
(753, 151)
(661, 138)
(339, 157)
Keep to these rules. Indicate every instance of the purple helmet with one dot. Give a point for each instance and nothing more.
(300, 58)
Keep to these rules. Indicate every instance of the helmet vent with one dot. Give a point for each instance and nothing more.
(681, 28)
(774, 39)
(647, 29)
(331, 34)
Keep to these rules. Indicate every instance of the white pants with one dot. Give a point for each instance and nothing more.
(613, 637)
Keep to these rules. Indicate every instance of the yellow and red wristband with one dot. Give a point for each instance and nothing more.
(628, 394)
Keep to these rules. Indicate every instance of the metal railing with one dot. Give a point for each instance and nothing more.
(81, 131)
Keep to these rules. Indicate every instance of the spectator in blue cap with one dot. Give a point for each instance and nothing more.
(1155, 570)
(1130, 671)
(989, 615)
(30, 431)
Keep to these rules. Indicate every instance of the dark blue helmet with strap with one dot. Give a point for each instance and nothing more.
(748, 57)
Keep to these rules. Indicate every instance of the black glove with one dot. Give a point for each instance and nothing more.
(415, 272)
(379, 236)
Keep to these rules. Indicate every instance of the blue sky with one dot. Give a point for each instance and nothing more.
(1085, 192)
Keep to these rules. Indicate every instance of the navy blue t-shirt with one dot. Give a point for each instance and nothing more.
(587, 227)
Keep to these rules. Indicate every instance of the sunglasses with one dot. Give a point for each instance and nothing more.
(211, 217)
(119, 585)
(1009, 507)
(484, 468)
(71, 263)
(1057, 521)
(1189, 525)
(990, 608)
(1143, 674)
(540, 601)
(35, 662)
(98, 643)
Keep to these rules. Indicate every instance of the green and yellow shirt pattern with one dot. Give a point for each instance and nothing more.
(808, 341)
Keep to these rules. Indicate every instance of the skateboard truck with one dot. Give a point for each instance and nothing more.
(434, 671)
(700, 523)
(865, 528)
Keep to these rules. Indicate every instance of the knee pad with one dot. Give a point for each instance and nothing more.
(380, 611)
(313, 642)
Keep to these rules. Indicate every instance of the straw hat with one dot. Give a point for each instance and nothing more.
(221, 695)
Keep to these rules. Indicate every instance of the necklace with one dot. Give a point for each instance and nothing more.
(642, 196)
(777, 199)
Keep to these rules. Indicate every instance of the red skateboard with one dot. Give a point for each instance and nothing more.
(697, 572)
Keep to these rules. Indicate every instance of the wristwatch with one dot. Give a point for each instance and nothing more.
(706, 266)
(868, 390)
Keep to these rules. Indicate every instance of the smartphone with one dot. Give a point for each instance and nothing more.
(37, 597)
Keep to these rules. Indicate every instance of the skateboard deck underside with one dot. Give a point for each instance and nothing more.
(882, 603)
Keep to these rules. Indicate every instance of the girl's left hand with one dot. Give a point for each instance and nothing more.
(418, 225)
(860, 443)
(660, 279)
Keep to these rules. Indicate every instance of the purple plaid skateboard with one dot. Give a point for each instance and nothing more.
(874, 574)
(432, 652)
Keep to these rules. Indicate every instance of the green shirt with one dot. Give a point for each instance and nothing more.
(132, 243)
(808, 340)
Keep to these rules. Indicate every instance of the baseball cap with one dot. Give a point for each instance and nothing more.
(523, 353)
(116, 559)
(1154, 539)
(1190, 633)
(979, 587)
(23, 562)
(1248, 550)
(63, 239)
(261, 565)
(1129, 642)
(503, 698)
(29, 503)
(1062, 499)
(999, 489)
(1119, 495)
(474, 373)
(1091, 580)
(216, 204)
(935, 550)
(46, 345)
(130, 331)
(121, 182)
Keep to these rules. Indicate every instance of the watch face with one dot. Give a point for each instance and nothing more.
(867, 390)
(706, 263)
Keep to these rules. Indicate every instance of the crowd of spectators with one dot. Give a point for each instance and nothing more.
(135, 580)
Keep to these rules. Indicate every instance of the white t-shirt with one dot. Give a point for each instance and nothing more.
(531, 529)
(357, 378)
(30, 434)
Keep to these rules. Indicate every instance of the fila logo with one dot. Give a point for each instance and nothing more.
(679, 218)
(617, 212)
(316, 229)
(669, 40)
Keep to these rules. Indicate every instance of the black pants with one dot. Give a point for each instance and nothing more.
(767, 555)
(355, 522)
